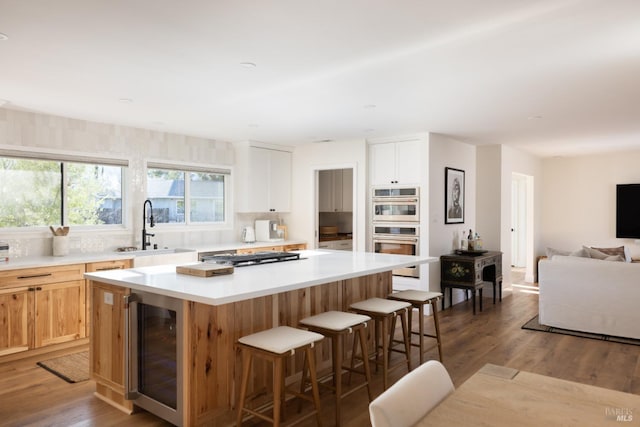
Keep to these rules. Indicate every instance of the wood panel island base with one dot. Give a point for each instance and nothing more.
(216, 311)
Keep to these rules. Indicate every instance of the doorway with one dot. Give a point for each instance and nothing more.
(521, 228)
(335, 206)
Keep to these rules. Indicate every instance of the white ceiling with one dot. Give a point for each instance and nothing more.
(553, 77)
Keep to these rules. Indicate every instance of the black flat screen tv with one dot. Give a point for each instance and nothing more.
(628, 211)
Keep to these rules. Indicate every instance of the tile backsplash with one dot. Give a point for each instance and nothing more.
(33, 132)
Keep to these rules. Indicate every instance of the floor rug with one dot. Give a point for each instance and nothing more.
(72, 368)
(535, 326)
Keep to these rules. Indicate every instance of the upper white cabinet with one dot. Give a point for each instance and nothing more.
(335, 190)
(395, 162)
(263, 179)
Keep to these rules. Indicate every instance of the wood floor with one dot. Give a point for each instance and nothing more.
(29, 395)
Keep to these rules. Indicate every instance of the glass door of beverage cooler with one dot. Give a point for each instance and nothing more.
(155, 355)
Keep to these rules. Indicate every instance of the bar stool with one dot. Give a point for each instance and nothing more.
(384, 313)
(275, 345)
(337, 325)
(418, 299)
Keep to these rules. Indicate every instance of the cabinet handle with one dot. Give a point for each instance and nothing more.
(38, 288)
(32, 276)
(108, 268)
(31, 289)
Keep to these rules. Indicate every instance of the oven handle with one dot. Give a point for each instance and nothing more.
(129, 394)
(395, 239)
(395, 200)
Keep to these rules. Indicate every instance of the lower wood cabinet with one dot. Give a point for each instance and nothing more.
(107, 342)
(60, 313)
(41, 306)
(16, 308)
(46, 305)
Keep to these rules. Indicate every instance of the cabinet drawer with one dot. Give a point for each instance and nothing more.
(118, 264)
(295, 247)
(41, 275)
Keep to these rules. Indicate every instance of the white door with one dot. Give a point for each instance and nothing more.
(519, 223)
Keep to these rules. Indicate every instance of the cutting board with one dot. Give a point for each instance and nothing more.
(204, 269)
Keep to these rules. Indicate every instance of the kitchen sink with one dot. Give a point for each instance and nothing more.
(150, 252)
(151, 257)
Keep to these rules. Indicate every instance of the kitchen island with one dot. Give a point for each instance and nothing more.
(218, 310)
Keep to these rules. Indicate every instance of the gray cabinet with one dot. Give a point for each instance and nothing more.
(335, 190)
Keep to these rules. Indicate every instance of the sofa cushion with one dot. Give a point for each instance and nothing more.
(579, 253)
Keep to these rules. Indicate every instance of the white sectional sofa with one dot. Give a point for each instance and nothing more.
(590, 295)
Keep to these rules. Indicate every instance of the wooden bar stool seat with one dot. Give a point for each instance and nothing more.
(384, 313)
(276, 345)
(418, 299)
(337, 325)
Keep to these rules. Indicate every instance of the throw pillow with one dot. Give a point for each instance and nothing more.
(611, 251)
(594, 253)
(616, 258)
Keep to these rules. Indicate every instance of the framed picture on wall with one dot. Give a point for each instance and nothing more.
(453, 196)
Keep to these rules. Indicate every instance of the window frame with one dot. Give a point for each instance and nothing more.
(63, 158)
(186, 168)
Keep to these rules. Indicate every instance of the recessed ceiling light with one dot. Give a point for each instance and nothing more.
(322, 141)
(248, 64)
(370, 106)
(126, 100)
(3, 36)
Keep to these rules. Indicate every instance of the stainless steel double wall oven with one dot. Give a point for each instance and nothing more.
(396, 224)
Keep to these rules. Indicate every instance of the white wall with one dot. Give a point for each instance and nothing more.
(516, 161)
(40, 132)
(443, 238)
(330, 155)
(579, 200)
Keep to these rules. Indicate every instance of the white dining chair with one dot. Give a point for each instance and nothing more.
(412, 396)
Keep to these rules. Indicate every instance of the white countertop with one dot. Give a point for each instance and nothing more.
(314, 268)
(82, 258)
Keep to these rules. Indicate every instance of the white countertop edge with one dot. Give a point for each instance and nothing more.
(245, 295)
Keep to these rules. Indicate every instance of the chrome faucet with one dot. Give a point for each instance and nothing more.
(146, 237)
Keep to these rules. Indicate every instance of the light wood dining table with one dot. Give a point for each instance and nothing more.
(498, 396)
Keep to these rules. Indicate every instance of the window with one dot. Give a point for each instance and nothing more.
(187, 196)
(37, 193)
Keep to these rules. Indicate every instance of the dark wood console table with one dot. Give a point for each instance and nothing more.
(470, 272)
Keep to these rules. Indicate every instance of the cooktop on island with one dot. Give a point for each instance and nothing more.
(241, 260)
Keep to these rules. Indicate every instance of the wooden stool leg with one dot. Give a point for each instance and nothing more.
(314, 382)
(420, 331)
(278, 373)
(303, 379)
(406, 335)
(337, 345)
(385, 352)
(246, 367)
(392, 334)
(436, 323)
(378, 326)
(365, 360)
(480, 299)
